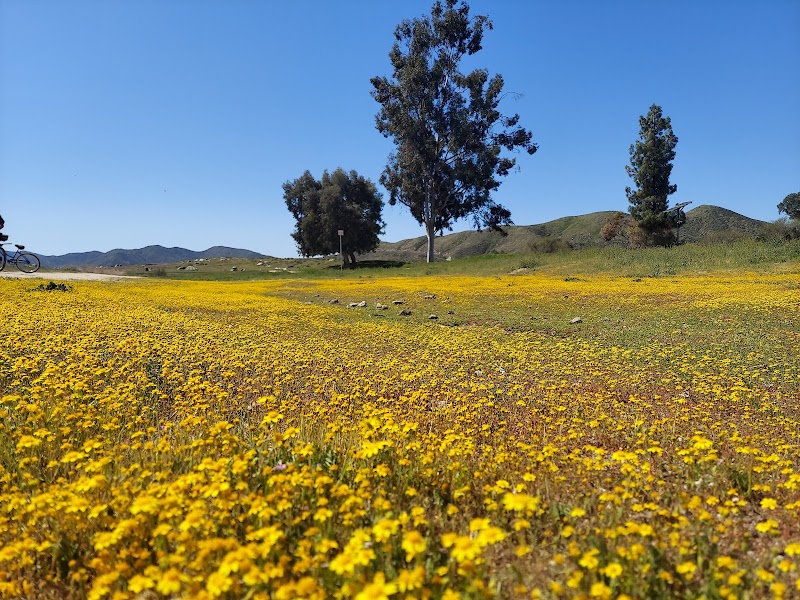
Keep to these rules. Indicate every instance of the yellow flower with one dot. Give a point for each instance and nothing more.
(411, 580)
(769, 503)
(687, 569)
(793, 549)
(344, 563)
(520, 502)
(600, 590)
(479, 524)
(385, 529)
(217, 584)
(764, 575)
(768, 526)
(523, 550)
(140, 583)
(613, 570)
(413, 543)
(27, 441)
(170, 582)
(462, 547)
(378, 589)
(589, 559)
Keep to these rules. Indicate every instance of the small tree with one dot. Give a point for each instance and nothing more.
(651, 165)
(339, 200)
(446, 125)
(790, 206)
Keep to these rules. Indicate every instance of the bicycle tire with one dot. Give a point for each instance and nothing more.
(2, 259)
(27, 262)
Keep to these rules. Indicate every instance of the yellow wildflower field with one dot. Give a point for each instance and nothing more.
(257, 440)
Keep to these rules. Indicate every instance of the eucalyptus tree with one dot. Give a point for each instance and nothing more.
(452, 144)
(790, 205)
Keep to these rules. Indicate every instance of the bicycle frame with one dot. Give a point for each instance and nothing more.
(10, 259)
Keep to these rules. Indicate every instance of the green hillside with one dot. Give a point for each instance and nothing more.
(704, 223)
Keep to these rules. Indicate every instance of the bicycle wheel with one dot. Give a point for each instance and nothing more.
(27, 262)
(2, 259)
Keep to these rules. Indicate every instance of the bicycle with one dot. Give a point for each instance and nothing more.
(26, 262)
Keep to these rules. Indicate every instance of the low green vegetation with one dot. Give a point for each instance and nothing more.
(747, 255)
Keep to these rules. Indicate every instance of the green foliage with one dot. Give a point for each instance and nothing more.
(779, 230)
(651, 165)
(448, 131)
(52, 287)
(791, 206)
(339, 200)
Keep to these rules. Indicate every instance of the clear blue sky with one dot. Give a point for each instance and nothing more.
(175, 122)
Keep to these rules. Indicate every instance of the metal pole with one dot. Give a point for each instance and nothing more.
(341, 254)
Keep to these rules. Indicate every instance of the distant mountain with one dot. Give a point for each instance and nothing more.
(154, 255)
(704, 223)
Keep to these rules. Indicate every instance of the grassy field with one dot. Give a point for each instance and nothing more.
(561, 432)
(743, 255)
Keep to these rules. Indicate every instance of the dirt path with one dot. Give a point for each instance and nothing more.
(59, 276)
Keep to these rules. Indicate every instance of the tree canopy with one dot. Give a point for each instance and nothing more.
(446, 125)
(790, 206)
(340, 200)
(650, 168)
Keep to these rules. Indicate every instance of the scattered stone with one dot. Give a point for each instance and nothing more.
(397, 302)
(362, 304)
(451, 312)
(433, 317)
(259, 264)
(234, 269)
(606, 319)
(405, 313)
(333, 301)
(380, 306)
(183, 268)
(191, 268)
(429, 296)
(576, 320)
(353, 305)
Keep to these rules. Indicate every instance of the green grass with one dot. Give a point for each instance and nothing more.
(744, 255)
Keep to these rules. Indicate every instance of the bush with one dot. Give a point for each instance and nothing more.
(52, 287)
(780, 230)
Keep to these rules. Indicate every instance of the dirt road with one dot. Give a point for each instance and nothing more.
(59, 276)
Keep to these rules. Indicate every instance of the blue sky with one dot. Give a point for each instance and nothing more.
(175, 122)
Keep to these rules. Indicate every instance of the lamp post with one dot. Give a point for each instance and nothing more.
(681, 218)
(341, 255)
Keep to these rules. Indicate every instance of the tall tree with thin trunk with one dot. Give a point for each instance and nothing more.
(651, 165)
(449, 134)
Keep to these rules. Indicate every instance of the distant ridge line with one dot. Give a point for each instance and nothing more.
(154, 255)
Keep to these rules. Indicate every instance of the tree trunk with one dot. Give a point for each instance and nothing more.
(431, 237)
(352, 260)
(345, 261)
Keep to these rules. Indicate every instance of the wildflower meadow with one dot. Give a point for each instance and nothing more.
(521, 436)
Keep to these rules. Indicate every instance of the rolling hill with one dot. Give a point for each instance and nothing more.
(148, 255)
(704, 223)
